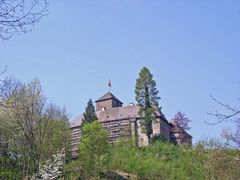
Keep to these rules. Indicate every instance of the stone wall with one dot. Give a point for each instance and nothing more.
(75, 141)
(108, 104)
(165, 129)
(104, 104)
(117, 129)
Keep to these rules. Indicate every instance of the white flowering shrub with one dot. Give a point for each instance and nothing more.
(52, 168)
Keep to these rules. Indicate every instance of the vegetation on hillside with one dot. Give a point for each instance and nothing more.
(31, 129)
(159, 160)
(93, 150)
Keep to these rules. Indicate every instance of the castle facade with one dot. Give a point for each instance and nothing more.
(124, 121)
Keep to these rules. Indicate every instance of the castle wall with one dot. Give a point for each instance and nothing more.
(121, 122)
(156, 127)
(116, 103)
(75, 141)
(108, 104)
(165, 130)
(117, 129)
(104, 104)
(142, 137)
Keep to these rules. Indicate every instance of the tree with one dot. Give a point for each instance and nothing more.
(183, 121)
(18, 16)
(215, 154)
(40, 129)
(232, 114)
(93, 149)
(147, 98)
(89, 115)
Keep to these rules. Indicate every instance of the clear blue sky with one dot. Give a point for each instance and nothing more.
(191, 47)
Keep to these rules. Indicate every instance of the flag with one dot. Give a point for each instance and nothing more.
(109, 84)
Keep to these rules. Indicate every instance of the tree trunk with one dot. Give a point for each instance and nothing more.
(149, 139)
(136, 133)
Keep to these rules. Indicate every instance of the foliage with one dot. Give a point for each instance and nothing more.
(157, 161)
(93, 150)
(210, 159)
(53, 168)
(147, 98)
(182, 120)
(40, 128)
(9, 168)
(58, 134)
(219, 161)
(158, 137)
(89, 115)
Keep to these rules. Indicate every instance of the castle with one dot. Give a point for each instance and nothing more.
(124, 121)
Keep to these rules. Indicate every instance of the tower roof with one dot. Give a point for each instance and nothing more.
(108, 96)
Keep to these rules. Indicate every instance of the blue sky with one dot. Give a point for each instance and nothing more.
(191, 47)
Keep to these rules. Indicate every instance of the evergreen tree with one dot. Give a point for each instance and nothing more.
(89, 115)
(147, 98)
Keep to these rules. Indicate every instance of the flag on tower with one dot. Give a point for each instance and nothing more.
(109, 84)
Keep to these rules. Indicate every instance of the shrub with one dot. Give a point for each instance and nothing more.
(93, 150)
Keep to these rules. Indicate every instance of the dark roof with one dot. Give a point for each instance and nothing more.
(77, 122)
(108, 96)
(176, 128)
(117, 113)
(126, 112)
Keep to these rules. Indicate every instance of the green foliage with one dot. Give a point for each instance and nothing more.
(158, 161)
(93, 150)
(166, 161)
(219, 161)
(89, 115)
(159, 137)
(31, 130)
(147, 98)
(144, 81)
(58, 136)
(9, 168)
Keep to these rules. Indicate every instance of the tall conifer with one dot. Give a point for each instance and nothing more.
(147, 98)
(89, 115)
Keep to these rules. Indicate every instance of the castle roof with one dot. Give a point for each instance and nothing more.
(108, 96)
(77, 121)
(126, 112)
(176, 128)
(117, 113)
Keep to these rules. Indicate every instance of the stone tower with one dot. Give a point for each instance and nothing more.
(107, 101)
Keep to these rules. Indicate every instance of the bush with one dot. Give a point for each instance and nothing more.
(93, 150)
(158, 161)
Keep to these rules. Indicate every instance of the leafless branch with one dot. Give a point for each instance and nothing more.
(19, 16)
(4, 70)
(233, 112)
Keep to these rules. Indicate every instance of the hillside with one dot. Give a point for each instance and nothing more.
(165, 161)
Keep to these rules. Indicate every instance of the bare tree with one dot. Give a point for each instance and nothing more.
(182, 120)
(232, 113)
(19, 16)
